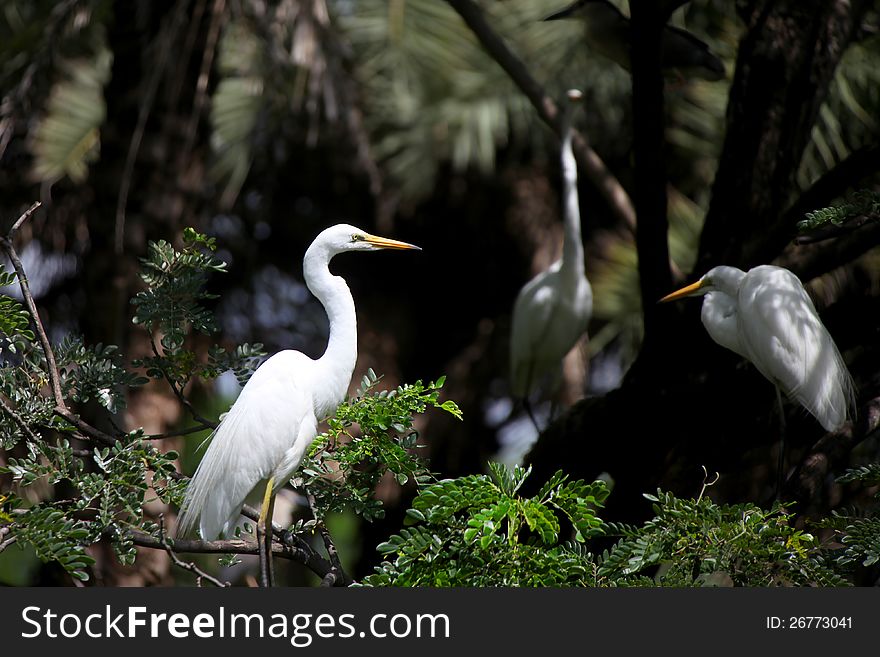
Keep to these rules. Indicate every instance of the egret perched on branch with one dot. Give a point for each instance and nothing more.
(766, 316)
(553, 309)
(271, 425)
(608, 32)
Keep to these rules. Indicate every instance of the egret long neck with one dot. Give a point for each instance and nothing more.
(572, 247)
(339, 358)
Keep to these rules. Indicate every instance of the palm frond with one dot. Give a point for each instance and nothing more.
(235, 107)
(67, 137)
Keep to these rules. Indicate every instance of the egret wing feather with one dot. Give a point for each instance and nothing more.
(785, 339)
(264, 434)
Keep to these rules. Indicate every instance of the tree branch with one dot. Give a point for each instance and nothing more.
(811, 260)
(22, 425)
(189, 566)
(6, 243)
(595, 169)
(337, 575)
(834, 183)
(652, 241)
(180, 432)
(833, 231)
(832, 451)
(310, 559)
(178, 392)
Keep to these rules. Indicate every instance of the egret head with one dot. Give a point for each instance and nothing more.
(721, 278)
(345, 237)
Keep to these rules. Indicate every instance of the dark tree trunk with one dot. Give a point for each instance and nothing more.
(785, 65)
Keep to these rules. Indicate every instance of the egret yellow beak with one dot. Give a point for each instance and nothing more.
(385, 243)
(688, 291)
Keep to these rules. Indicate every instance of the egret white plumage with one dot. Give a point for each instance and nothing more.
(551, 311)
(766, 316)
(609, 32)
(269, 428)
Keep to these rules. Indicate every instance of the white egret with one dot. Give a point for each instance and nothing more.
(552, 310)
(608, 32)
(271, 425)
(766, 316)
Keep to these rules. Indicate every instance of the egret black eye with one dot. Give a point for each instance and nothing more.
(357, 238)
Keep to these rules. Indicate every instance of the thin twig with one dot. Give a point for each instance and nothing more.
(178, 432)
(337, 575)
(596, 170)
(186, 565)
(19, 421)
(178, 392)
(84, 427)
(54, 377)
(9, 541)
(27, 215)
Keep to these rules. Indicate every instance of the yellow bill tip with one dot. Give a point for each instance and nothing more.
(386, 243)
(686, 291)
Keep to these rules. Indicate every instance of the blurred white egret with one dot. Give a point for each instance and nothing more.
(608, 32)
(552, 310)
(766, 316)
(269, 428)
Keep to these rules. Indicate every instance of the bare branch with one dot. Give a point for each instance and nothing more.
(589, 160)
(318, 565)
(7, 542)
(178, 392)
(189, 566)
(27, 215)
(54, 377)
(337, 575)
(84, 427)
(180, 432)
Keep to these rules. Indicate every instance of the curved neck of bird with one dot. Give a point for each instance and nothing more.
(572, 246)
(334, 295)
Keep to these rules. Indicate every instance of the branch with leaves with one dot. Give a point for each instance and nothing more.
(115, 475)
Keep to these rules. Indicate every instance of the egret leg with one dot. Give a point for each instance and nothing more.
(264, 535)
(780, 467)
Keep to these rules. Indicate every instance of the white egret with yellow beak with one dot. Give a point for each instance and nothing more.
(271, 425)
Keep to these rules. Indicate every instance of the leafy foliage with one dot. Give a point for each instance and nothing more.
(863, 203)
(175, 285)
(112, 487)
(108, 485)
(14, 320)
(857, 530)
(478, 531)
(95, 372)
(344, 466)
(700, 543)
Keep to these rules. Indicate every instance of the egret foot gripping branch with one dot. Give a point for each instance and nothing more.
(299, 629)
